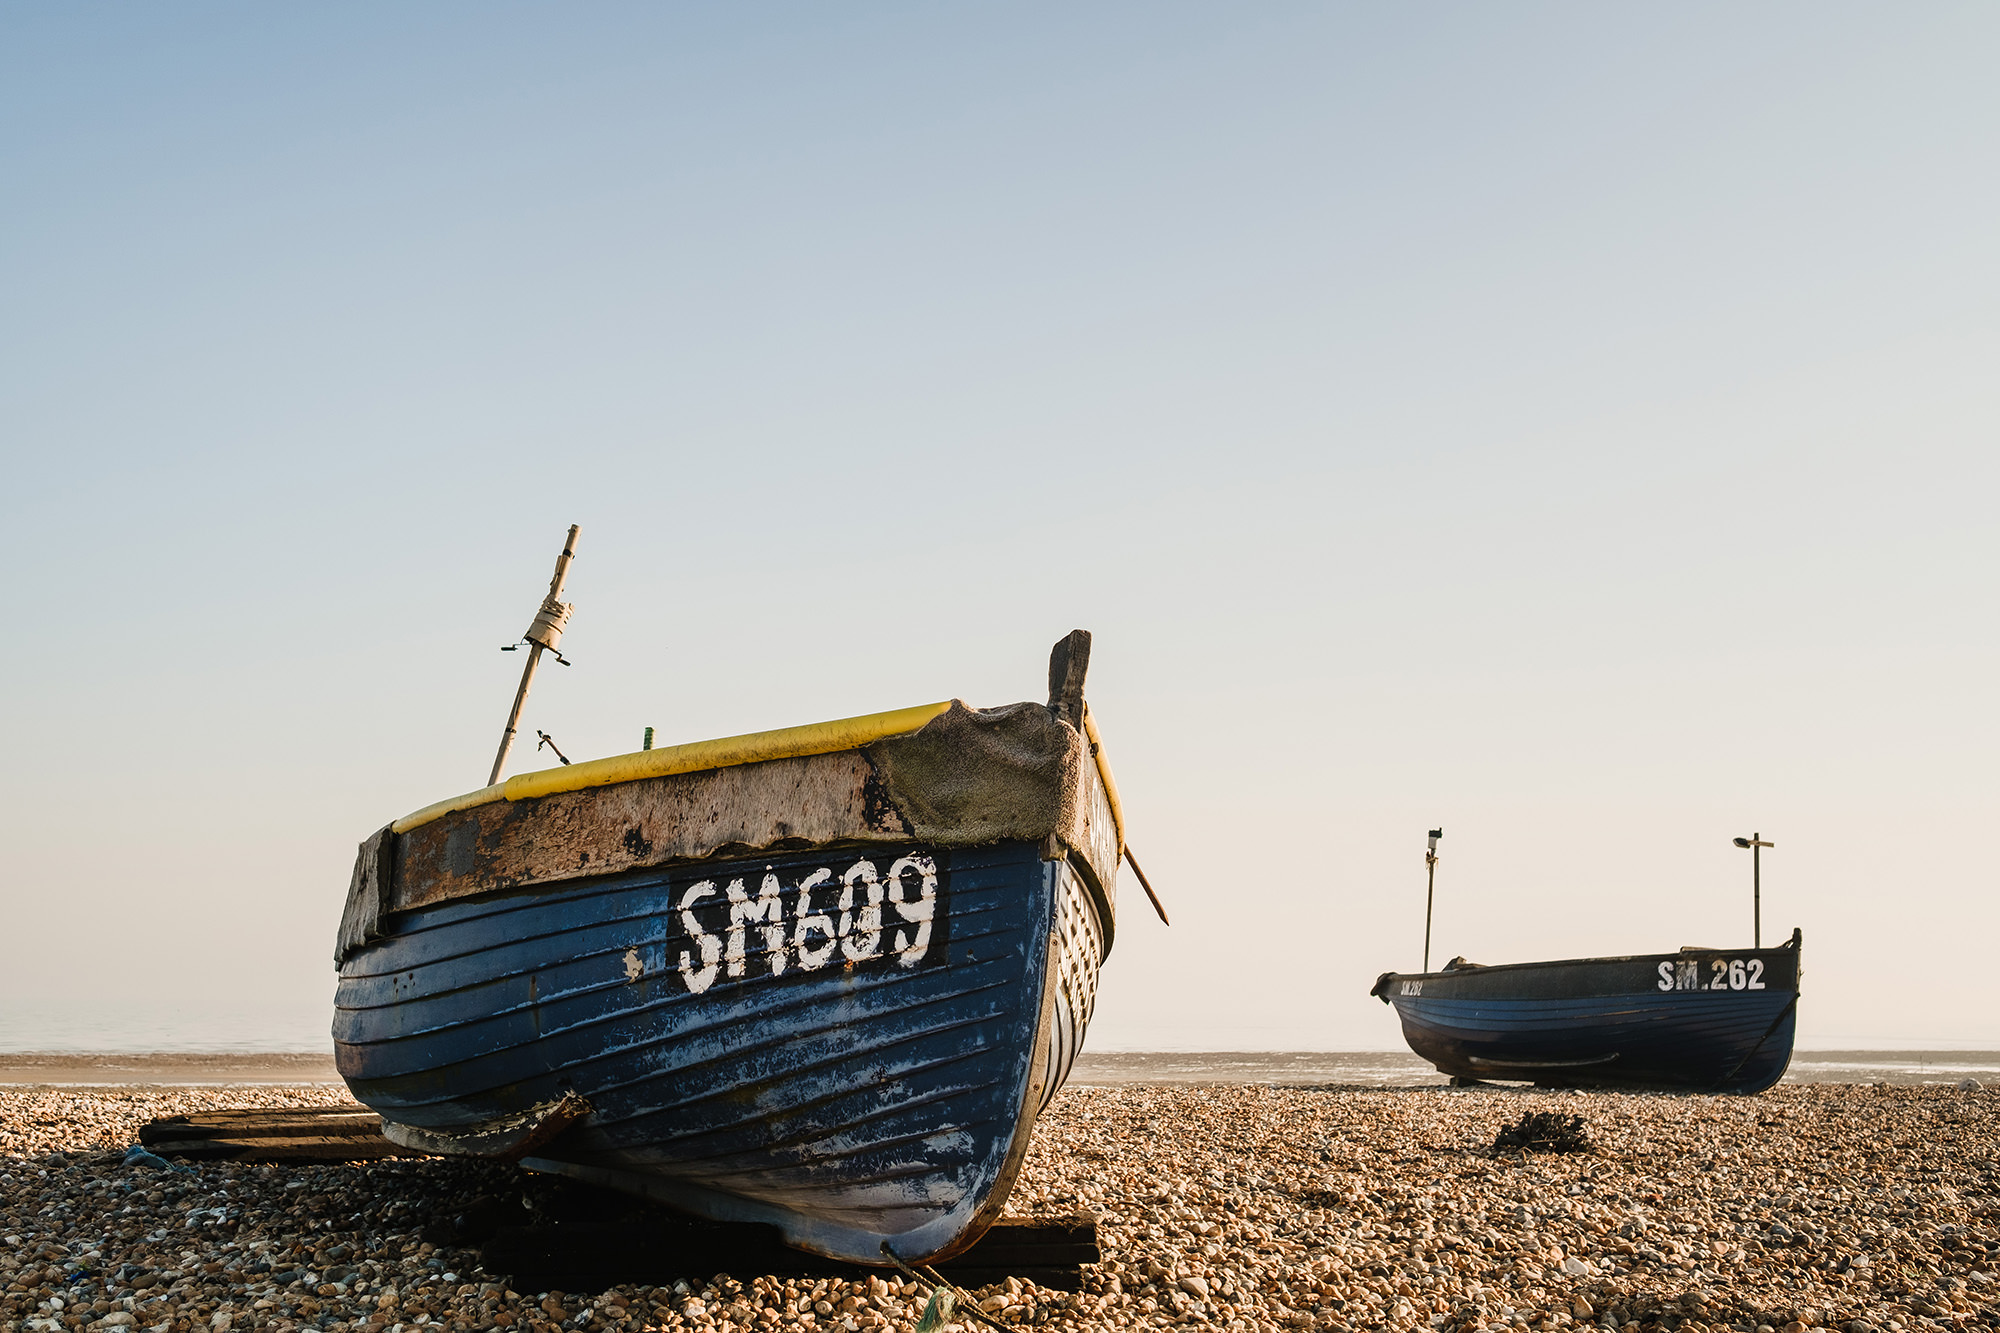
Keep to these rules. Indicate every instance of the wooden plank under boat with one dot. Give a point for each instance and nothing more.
(823, 978)
(1700, 1020)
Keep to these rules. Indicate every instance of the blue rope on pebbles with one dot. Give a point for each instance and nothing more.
(138, 1156)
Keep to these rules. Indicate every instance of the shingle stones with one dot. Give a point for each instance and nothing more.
(1806, 1210)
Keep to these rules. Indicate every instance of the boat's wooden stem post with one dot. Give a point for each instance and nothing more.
(1755, 842)
(543, 636)
(1430, 891)
(1068, 664)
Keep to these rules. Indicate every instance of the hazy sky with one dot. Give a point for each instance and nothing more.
(1574, 425)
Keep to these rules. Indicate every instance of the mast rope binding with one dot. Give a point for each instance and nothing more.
(549, 623)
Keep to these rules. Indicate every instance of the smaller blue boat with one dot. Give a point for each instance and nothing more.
(1700, 1020)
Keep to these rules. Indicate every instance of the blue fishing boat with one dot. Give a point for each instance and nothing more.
(1700, 1020)
(823, 978)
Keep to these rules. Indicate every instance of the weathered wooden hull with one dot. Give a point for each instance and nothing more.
(850, 1090)
(1701, 1020)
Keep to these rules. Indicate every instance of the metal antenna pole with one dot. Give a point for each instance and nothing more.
(543, 635)
(1755, 842)
(1756, 890)
(1430, 891)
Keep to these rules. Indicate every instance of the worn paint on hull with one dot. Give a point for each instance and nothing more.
(1699, 1020)
(752, 1042)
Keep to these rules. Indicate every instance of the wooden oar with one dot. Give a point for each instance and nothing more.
(1133, 861)
(543, 635)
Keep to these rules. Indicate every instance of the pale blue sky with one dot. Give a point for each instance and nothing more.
(1574, 425)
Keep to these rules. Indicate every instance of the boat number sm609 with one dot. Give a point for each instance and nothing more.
(808, 921)
(1721, 974)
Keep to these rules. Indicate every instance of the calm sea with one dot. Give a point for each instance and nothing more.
(251, 1031)
(1401, 1069)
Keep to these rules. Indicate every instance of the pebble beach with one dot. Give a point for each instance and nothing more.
(1814, 1206)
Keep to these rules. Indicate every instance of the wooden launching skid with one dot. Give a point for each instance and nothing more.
(351, 1133)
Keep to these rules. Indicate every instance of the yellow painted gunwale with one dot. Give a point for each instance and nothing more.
(847, 733)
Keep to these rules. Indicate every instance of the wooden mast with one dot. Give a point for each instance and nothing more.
(544, 633)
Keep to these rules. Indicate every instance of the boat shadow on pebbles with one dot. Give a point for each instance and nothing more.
(90, 1240)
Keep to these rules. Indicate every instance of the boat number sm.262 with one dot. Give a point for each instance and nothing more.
(1720, 974)
(817, 919)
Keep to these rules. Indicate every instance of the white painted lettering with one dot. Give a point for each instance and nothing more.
(811, 960)
(860, 932)
(1723, 974)
(765, 933)
(699, 979)
(920, 910)
(768, 907)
